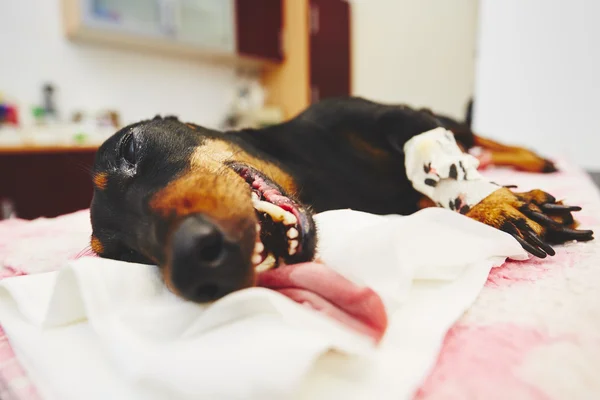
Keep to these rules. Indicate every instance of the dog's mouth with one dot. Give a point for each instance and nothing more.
(286, 236)
(286, 232)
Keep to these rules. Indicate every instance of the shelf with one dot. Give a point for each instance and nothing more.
(164, 47)
(46, 149)
(80, 27)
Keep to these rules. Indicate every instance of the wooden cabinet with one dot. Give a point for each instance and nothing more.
(329, 27)
(259, 29)
(46, 182)
(239, 31)
(317, 60)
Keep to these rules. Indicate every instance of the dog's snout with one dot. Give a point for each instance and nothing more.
(205, 264)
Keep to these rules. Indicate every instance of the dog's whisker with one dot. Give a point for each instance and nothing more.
(83, 167)
(86, 251)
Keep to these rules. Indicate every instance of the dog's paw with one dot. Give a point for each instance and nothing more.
(518, 158)
(533, 218)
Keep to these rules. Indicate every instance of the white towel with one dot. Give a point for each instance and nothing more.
(101, 329)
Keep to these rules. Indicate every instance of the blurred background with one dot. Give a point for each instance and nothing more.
(73, 71)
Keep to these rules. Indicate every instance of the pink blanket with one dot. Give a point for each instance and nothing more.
(534, 331)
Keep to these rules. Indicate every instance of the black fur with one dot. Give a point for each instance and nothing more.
(317, 149)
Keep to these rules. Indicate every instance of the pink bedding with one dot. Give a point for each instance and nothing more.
(534, 331)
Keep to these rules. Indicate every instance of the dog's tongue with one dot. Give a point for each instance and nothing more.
(323, 289)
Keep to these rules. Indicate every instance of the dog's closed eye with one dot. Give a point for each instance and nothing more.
(128, 149)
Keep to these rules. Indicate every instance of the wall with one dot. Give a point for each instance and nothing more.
(139, 86)
(416, 52)
(538, 76)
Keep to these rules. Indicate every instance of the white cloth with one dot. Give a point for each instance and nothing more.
(101, 329)
(438, 168)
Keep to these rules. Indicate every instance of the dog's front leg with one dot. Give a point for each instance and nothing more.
(437, 168)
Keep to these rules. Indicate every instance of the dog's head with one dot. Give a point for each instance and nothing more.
(202, 205)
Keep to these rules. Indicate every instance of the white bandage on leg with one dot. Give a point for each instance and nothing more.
(437, 168)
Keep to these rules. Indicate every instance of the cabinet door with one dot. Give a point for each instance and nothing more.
(137, 17)
(259, 26)
(46, 184)
(329, 24)
(208, 24)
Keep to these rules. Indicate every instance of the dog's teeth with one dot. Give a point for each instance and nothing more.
(293, 247)
(256, 259)
(255, 196)
(289, 219)
(257, 228)
(267, 264)
(276, 213)
(263, 267)
(259, 248)
(292, 233)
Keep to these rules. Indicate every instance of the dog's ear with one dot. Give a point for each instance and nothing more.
(427, 111)
(158, 117)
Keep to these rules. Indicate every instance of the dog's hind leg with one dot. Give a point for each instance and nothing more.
(495, 153)
(519, 158)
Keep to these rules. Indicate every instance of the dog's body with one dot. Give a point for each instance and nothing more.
(347, 153)
(179, 195)
(340, 155)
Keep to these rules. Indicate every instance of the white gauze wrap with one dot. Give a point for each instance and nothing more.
(438, 168)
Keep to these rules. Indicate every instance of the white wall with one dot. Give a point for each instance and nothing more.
(34, 51)
(416, 52)
(538, 76)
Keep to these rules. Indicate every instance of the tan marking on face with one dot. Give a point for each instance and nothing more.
(214, 153)
(222, 195)
(100, 180)
(211, 188)
(96, 245)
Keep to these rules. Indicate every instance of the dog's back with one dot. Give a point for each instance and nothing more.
(346, 153)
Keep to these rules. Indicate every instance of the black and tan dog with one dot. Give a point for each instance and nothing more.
(195, 201)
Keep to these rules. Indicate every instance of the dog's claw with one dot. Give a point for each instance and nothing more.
(529, 247)
(578, 234)
(535, 239)
(559, 207)
(541, 218)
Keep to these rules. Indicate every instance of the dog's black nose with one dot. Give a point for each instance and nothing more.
(204, 264)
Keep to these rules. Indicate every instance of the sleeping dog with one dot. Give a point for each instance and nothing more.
(212, 208)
